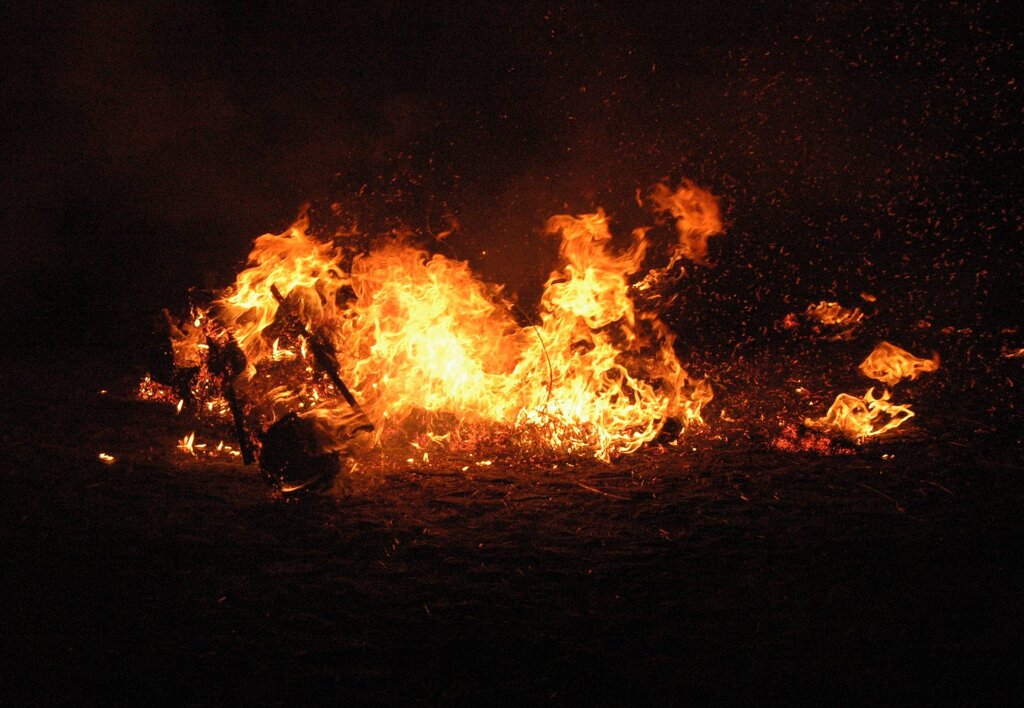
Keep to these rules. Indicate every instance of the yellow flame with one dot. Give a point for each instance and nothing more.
(188, 338)
(107, 459)
(187, 443)
(421, 340)
(890, 364)
(857, 418)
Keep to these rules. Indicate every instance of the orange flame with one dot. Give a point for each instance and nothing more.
(858, 418)
(890, 364)
(697, 215)
(422, 341)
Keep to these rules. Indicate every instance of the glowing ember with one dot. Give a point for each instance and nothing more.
(187, 443)
(428, 348)
(828, 320)
(890, 364)
(859, 418)
(150, 390)
(792, 439)
(834, 314)
(107, 459)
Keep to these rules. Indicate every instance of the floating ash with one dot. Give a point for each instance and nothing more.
(321, 339)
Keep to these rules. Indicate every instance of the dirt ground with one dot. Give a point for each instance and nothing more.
(719, 570)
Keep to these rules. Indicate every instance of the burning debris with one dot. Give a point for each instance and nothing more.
(324, 345)
(150, 390)
(890, 364)
(828, 320)
(835, 315)
(857, 418)
(187, 444)
(839, 322)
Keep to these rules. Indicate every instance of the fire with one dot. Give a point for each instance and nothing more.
(697, 216)
(426, 347)
(827, 320)
(589, 330)
(890, 364)
(187, 443)
(858, 418)
(834, 314)
(150, 390)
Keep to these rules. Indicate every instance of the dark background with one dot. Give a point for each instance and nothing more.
(857, 146)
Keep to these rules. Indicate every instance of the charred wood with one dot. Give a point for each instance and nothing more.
(325, 355)
(227, 361)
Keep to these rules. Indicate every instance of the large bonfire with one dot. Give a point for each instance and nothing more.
(422, 346)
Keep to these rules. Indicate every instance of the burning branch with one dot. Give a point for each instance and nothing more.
(326, 358)
(227, 363)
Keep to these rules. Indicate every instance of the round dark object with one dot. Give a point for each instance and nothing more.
(670, 431)
(293, 461)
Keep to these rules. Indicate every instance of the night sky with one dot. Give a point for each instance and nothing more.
(857, 147)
